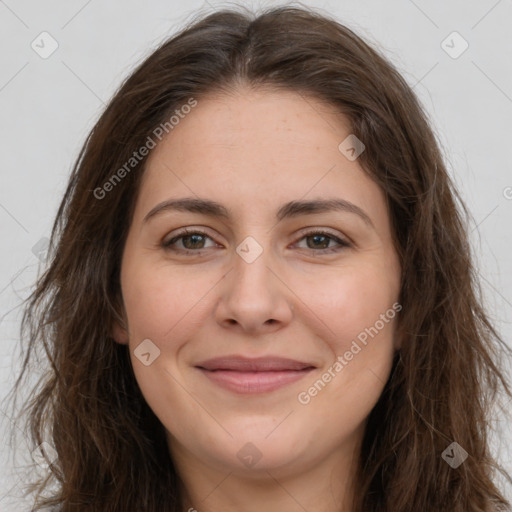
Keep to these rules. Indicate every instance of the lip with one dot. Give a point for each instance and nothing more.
(257, 364)
(254, 375)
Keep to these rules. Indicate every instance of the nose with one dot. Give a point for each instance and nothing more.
(254, 296)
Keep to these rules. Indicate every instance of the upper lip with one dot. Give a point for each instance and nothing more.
(260, 364)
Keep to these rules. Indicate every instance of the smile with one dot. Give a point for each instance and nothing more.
(249, 382)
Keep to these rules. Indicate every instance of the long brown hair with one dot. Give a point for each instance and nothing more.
(112, 453)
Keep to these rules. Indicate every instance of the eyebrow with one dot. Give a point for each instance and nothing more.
(288, 210)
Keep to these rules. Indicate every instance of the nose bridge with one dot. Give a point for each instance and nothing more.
(253, 294)
(252, 264)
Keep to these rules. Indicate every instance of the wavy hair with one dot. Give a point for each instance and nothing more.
(112, 452)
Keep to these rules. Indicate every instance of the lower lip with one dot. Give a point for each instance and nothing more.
(254, 382)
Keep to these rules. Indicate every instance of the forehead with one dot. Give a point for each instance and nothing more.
(256, 148)
(255, 120)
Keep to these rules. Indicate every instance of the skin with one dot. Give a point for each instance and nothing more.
(252, 151)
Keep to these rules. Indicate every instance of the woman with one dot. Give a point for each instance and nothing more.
(260, 291)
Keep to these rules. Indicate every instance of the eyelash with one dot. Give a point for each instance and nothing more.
(185, 233)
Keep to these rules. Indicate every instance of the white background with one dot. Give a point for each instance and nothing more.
(49, 105)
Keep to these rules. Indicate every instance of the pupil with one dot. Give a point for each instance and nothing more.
(316, 237)
(189, 237)
(197, 239)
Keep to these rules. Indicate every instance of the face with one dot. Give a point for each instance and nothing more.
(255, 279)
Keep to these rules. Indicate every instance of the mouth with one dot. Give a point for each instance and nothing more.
(248, 376)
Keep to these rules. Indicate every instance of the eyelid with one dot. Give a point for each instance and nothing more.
(342, 240)
(326, 231)
(186, 232)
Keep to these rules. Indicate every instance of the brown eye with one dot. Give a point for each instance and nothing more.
(191, 241)
(194, 241)
(319, 241)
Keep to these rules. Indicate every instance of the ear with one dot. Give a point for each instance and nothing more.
(119, 333)
(119, 329)
(399, 336)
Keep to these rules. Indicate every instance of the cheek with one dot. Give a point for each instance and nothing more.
(163, 305)
(351, 300)
(357, 314)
